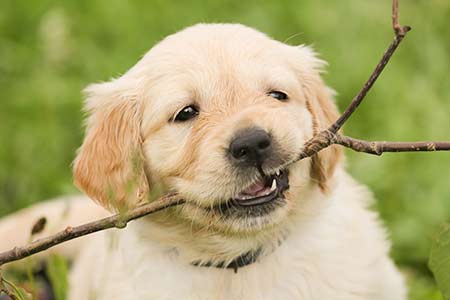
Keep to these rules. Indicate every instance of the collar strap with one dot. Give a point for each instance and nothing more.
(241, 261)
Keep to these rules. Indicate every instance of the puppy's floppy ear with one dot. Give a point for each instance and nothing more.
(109, 166)
(320, 103)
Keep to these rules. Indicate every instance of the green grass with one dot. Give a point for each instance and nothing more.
(50, 50)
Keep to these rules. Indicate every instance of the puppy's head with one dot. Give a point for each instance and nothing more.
(217, 113)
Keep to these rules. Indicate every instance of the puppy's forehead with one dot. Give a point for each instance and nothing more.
(217, 54)
(205, 43)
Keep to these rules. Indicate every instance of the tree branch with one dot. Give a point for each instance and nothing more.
(331, 136)
(116, 221)
(379, 148)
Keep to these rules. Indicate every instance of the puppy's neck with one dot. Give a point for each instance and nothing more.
(204, 247)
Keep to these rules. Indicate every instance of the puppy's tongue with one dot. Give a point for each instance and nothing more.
(257, 189)
(254, 189)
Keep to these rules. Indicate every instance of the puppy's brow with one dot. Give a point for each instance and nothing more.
(279, 79)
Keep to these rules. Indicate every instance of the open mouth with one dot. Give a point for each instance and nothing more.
(261, 197)
(264, 191)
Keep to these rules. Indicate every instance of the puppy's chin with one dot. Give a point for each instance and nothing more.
(236, 223)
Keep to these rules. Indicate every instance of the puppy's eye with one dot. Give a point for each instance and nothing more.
(278, 95)
(187, 113)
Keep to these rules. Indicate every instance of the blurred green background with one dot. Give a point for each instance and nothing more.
(50, 50)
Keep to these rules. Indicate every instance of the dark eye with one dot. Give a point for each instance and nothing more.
(278, 95)
(186, 113)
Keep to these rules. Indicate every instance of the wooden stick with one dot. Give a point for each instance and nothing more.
(116, 221)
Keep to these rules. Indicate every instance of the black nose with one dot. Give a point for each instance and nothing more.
(251, 146)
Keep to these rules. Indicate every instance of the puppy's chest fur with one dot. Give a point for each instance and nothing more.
(338, 254)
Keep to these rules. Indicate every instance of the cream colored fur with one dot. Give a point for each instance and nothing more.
(324, 243)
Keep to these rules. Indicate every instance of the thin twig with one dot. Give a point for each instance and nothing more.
(379, 147)
(395, 23)
(329, 136)
(400, 33)
(398, 29)
(115, 221)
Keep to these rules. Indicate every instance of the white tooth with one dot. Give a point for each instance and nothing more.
(278, 173)
(274, 185)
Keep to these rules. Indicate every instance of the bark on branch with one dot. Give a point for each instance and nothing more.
(321, 141)
(116, 221)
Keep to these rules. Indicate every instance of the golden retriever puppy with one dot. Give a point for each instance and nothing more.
(219, 113)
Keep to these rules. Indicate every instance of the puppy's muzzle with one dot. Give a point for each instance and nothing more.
(251, 147)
